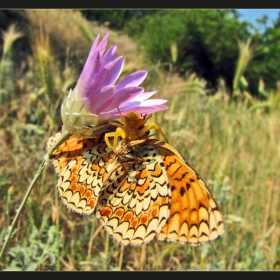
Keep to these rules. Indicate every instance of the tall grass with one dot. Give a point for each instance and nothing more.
(246, 53)
(6, 66)
(233, 147)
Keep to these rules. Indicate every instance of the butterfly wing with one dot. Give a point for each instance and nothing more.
(195, 216)
(134, 202)
(79, 163)
(145, 191)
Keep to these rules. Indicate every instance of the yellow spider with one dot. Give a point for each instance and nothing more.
(133, 128)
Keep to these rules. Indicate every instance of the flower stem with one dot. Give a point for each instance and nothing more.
(57, 235)
(10, 230)
(64, 136)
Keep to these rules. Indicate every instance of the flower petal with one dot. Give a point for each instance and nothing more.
(107, 95)
(102, 45)
(155, 104)
(93, 62)
(88, 77)
(143, 96)
(152, 102)
(144, 109)
(123, 97)
(116, 69)
(109, 56)
(132, 80)
(91, 59)
(107, 76)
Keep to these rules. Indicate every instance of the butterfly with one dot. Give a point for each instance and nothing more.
(139, 188)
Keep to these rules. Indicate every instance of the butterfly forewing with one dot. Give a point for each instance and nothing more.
(195, 217)
(79, 163)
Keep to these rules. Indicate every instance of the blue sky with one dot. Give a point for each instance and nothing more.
(252, 14)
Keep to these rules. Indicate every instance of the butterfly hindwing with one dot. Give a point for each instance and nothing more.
(134, 202)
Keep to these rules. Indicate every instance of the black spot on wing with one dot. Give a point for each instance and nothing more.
(182, 191)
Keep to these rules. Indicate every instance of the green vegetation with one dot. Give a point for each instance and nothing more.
(232, 140)
(207, 42)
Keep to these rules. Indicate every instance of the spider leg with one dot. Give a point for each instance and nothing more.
(118, 133)
(155, 126)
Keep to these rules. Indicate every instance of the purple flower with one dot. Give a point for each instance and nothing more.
(96, 97)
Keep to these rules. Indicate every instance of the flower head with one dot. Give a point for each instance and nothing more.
(96, 98)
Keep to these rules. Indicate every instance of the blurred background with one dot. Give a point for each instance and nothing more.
(219, 70)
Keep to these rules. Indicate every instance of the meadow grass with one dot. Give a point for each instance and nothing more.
(233, 147)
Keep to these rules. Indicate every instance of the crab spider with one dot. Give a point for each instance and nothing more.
(133, 128)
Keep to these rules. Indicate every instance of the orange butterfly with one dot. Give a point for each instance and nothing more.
(139, 188)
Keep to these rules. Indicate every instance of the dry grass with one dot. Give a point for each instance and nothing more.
(69, 29)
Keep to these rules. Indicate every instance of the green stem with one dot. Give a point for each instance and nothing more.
(64, 136)
(57, 235)
(8, 210)
(10, 230)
